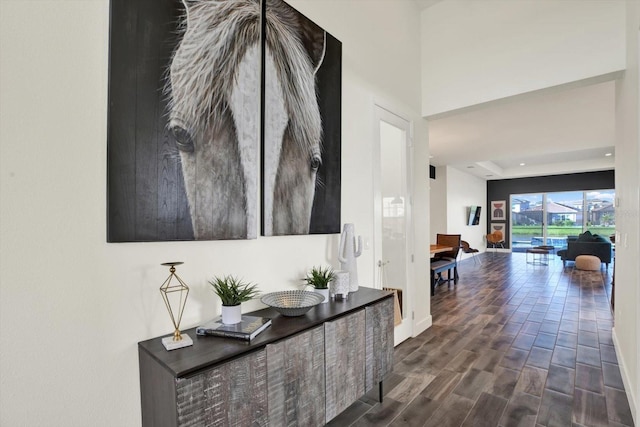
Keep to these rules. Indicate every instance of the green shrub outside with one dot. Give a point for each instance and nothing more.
(556, 231)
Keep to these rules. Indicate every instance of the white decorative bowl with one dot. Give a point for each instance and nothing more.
(292, 303)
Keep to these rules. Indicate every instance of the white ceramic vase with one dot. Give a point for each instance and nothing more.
(348, 252)
(340, 284)
(324, 293)
(231, 314)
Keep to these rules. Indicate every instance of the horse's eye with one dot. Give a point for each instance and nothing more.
(316, 161)
(183, 139)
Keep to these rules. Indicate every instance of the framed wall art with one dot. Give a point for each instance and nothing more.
(495, 226)
(302, 123)
(195, 96)
(498, 210)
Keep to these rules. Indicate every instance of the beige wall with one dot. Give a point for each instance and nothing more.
(72, 307)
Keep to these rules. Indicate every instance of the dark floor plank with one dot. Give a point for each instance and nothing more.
(473, 384)
(612, 377)
(417, 412)
(589, 409)
(540, 357)
(514, 358)
(564, 356)
(379, 415)
(522, 411)
(589, 378)
(555, 409)
(532, 381)
(618, 406)
(442, 385)
(451, 413)
(486, 412)
(504, 382)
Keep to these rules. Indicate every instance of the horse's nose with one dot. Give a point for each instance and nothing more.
(184, 142)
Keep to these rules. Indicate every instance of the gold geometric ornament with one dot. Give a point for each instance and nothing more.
(174, 293)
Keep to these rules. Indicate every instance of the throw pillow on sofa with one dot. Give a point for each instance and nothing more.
(601, 239)
(585, 237)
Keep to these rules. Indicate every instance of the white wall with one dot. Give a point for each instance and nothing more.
(452, 193)
(464, 190)
(627, 274)
(514, 47)
(438, 206)
(72, 307)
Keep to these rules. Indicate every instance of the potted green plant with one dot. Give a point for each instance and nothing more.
(319, 278)
(233, 292)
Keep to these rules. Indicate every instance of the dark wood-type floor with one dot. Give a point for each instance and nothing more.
(512, 344)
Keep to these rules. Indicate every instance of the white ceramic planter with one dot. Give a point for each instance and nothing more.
(231, 314)
(324, 293)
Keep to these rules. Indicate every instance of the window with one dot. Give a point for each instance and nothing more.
(548, 218)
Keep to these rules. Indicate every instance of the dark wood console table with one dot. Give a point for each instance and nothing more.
(317, 364)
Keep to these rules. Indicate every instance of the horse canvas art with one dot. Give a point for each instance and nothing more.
(215, 115)
(293, 151)
(239, 72)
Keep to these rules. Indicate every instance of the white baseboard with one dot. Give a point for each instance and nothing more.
(422, 325)
(624, 372)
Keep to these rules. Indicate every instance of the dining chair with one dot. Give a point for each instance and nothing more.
(465, 248)
(452, 240)
(495, 239)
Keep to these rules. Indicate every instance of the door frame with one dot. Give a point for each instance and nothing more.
(381, 113)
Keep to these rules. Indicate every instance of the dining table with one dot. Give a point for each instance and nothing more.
(439, 248)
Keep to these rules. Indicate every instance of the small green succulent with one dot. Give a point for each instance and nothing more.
(319, 277)
(233, 291)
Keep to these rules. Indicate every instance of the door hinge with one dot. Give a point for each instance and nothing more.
(413, 315)
(411, 257)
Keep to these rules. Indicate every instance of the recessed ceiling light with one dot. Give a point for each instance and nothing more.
(608, 155)
(522, 164)
(488, 175)
(470, 167)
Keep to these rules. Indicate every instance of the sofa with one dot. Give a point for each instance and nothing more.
(586, 244)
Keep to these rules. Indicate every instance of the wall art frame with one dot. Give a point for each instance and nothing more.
(499, 226)
(498, 210)
(166, 133)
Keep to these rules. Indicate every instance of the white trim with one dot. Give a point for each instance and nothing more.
(422, 325)
(624, 373)
(382, 114)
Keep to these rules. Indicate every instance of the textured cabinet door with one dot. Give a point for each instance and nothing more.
(296, 380)
(379, 345)
(345, 359)
(231, 394)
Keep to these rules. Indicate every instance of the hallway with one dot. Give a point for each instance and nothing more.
(512, 344)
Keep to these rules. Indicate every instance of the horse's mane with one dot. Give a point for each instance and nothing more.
(203, 70)
(217, 36)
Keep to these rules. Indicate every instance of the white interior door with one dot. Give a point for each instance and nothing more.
(392, 222)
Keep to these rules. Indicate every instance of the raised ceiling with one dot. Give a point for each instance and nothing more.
(565, 129)
(560, 130)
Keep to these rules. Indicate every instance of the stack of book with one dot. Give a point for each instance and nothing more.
(247, 329)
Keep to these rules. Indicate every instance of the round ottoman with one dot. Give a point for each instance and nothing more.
(588, 262)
